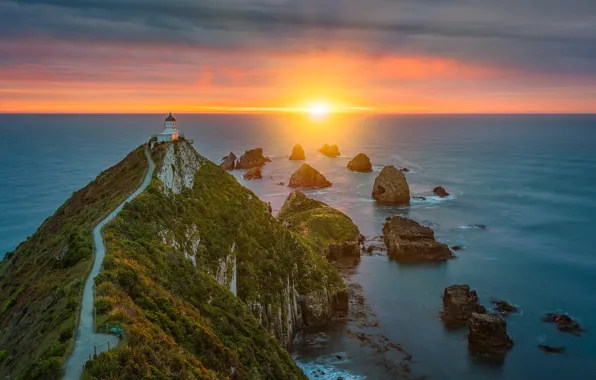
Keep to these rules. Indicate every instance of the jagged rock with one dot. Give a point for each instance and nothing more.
(391, 187)
(440, 191)
(330, 151)
(361, 239)
(487, 333)
(297, 153)
(254, 173)
(347, 252)
(252, 158)
(459, 302)
(564, 322)
(552, 349)
(504, 307)
(228, 162)
(308, 177)
(407, 240)
(404, 170)
(457, 248)
(360, 163)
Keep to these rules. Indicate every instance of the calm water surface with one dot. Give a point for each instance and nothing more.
(530, 179)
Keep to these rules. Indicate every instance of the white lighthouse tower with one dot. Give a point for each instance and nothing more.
(170, 131)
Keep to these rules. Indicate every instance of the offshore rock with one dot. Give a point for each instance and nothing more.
(564, 322)
(297, 153)
(487, 333)
(440, 191)
(504, 307)
(360, 163)
(551, 349)
(407, 240)
(391, 187)
(254, 173)
(228, 162)
(252, 158)
(308, 177)
(330, 150)
(459, 302)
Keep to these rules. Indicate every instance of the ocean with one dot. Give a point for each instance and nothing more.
(530, 179)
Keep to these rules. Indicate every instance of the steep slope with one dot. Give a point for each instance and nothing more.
(41, 281)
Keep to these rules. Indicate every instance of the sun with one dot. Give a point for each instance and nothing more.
(318, 110)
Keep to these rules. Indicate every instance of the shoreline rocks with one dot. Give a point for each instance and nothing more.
(252, 158)
(391, 187)
(440, 191)
(297, 153)
(329, 150)
(308, 177)
(408, 241)
(253, 173)
(360, 163)
(487, 333)
(228, 162)
(459, 303)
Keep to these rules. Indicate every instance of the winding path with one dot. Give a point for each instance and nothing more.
(86, 338)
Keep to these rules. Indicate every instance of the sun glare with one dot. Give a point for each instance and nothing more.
(318, 110)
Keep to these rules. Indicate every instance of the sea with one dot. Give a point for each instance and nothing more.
(529, 179)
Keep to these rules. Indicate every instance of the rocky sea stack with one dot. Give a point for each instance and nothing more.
(229, 162)
(330, 150)
(252, 158)
(297, 153)
(408, 241)
(254, 173)
(440, 191)
(360, 163)
(391, 187)
(459, 303)
(308, 177)
(487, 333)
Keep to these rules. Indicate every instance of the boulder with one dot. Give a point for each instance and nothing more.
(407, 240)
(487, 333)
(228, 162)
(391, 187)
(297, 153)
(360, 163)
(504, 307)
(308, 177)
(254, 173)
(564, 322)
(404, 170)
(252, 158)
(459, 302)
(440, 191)
(457, 248)
(330, 151)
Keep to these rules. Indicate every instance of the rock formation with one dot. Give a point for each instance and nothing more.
(459, 302)
(330, 151)
(457, 248)
(563, 322)
(504, 307)
(228, 162)
(404, 170)
(407, 240)
(297, 153)
(308, 177)
(360, 163)
(253, 173)
(440, 191)
(252, 158)
(552, 349)
(487, 333)
(391, 187)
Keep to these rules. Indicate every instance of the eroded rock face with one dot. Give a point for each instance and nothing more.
(308, 177)
(297, 153)
(347, 252)
(228, 162)
(440, 191)
(316, 310)
(487, 333)
(391, 187)
(252, 158)
(254, 173)
(408, 241)
(459, 302)
(360, 163)
(330, 150)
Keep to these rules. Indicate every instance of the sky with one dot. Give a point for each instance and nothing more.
(440, 56)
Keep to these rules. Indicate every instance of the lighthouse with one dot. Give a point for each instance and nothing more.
(170, 130)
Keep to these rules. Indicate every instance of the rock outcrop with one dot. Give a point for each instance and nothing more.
(253, 173)
(252, 158)
(440, 191)
(229, 162)
(360, 163)
(552, 349)
(329, 150)
(408, 241)
(459, 303)
(487, 333)
(504, 307)
(308, 177)
(297, 153)
(391, 187)
(563, 322)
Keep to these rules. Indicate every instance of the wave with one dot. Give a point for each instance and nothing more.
(318, 371)
(431, 199)
(472, 227)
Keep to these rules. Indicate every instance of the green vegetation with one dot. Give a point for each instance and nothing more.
(40, 282)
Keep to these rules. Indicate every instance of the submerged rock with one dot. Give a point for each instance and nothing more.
(504, 307)
(459, 302)
(360, 163)
(552, 349)
(564, 322)
(308, 177)
(487, 333)
(254, 173)
(404, 170)
(457, 248)
(407, 240)
(329, 150)
(297, 153)
(391, 187)
(252, 158)
(440, 191)
(228, 162)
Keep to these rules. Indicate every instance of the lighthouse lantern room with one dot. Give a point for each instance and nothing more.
(170, 130)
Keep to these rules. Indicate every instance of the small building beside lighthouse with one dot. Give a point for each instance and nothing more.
(170, 130)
